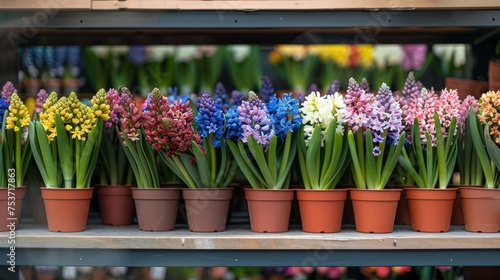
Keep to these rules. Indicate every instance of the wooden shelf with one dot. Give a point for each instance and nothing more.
(241, 238)
(238, 246)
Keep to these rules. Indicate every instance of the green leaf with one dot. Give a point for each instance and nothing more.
(417, 150)
(301, 154)
(313, 156)
(242, 163)
(45, 159)
(66, 156)
(271, 156)
(355, 162)
(479, 147)
(371, 173)
(202, 164)
(257, 152)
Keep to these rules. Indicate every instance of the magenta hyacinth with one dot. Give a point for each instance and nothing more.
(7, 90)
(114, 101)
(41, 96)
(414, 56)
(130, 121)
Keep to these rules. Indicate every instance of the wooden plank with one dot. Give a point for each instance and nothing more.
(241, 238)
(293, 4)
(43, 4)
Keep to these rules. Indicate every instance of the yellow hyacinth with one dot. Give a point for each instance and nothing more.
(19, 116)
(101, 105)
(366, 55)
(339, 54)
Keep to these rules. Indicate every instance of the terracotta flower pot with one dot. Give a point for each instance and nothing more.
(32, 86)
(457, 216)
(481, 209)
(156, 208)
(348, 214)
(321, 210)
(207, 209)
(494, 75)
(53, 85)
(10, 213)
(67, 209)
(116, 204)
(375, 210)
(71, 85)
(466, 87)
(402, 213)
(269, 210)
(430, 209)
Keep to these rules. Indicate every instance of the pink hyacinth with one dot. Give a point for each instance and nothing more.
(114, 101)
(130, 121)
(414, 56)
(464, 110)
(7, 90)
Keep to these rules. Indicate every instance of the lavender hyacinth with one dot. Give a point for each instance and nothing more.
(210, 119)
(333, 88)
(7, 90)
(266, 90)
(40, 100)
(255, 120)
(353, 86)
(391, 116)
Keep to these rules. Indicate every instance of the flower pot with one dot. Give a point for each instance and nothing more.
(430, 209)
(52, 85)
(207, 209)
(494, 75)
(321, 210)
(402, 213)
(116, 204)
(67, 209)
(37, 205)
(457, 216)
(156, 208)
(269, 210)
(31, 87)
(481, 209)
(348, 213)
(181, 214)
(70, 85)
(10, 207)
(466, 87)
(375, 210)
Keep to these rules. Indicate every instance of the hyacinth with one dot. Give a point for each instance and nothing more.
(333, 88)
(360, 108)
(237, 97)
(322, 110)
(77, 118)
(352, 85)
(101, 105)
(414, 56)
(285, 117)
(114, 101)
(220, 94)
(169, 126)
(137, 55)
(411, 90)
(51, 100)
(467, 103)
(312, 88)
(391, 118)
(130, 118)
(233, 124)
(4, 105)
(210, 119)
(449, 106)
(18, 116)
(266, 89)
(7, 90)
(365, 85)
(41, 97)
(489, 104)
(255, 120)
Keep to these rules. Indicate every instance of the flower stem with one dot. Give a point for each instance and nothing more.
(19, 163)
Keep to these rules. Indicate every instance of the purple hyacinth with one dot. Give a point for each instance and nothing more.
(255, 120)
(210, 119)
(7, 90)
(41, 97)
(137, 55)
(114, 100)
(266, 90)
(384, 96)
(365, 85)
(237, 97)
(410, 87)
(301, 98)
(333, 88)
(312, 88)
(414, 56)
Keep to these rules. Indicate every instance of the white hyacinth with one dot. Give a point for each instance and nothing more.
(322, 110)
(387, 55)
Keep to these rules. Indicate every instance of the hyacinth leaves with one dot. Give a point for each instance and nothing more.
(267, 168)
(323, 167)
(435, 163)
(468, 160)
(373, 170)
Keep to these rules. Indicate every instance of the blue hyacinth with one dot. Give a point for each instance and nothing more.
(137, 55)
(4, 105)
(220, 94)
(210, 119)
(237, 97)
(285, 116)
(73, 60)
(233, 124)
